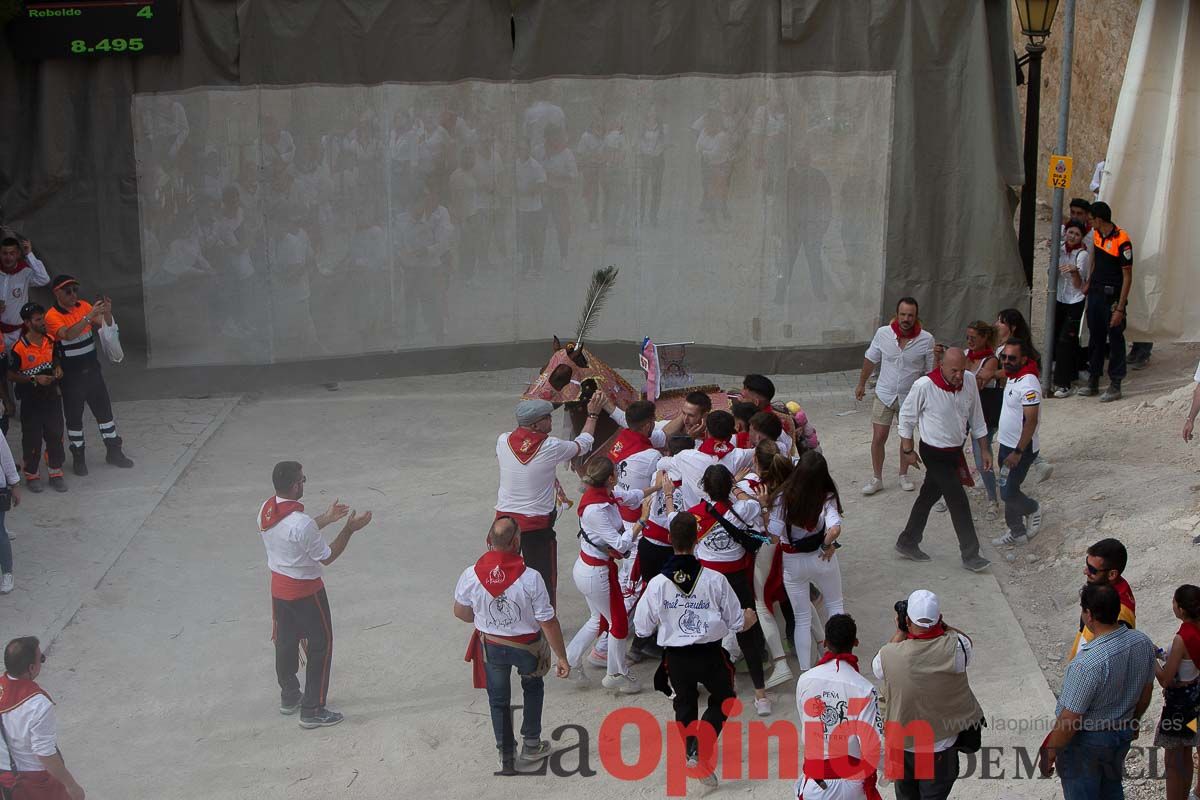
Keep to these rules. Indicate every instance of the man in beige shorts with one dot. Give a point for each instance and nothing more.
(903, 352)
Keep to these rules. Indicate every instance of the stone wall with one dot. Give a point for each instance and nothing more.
(1103, 30)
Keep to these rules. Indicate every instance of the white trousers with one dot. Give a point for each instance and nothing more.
(766, 616)
(807, 789)
(799, 570)
(592, 583)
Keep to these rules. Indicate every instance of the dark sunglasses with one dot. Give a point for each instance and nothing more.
(1007, 357)
(1090, 569)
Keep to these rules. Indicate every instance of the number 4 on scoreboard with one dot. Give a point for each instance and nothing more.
(145, 12)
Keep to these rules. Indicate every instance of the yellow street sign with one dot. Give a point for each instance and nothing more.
(1059, 174)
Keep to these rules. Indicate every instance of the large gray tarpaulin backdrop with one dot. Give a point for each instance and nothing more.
(317, 180)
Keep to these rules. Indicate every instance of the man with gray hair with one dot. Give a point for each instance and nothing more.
(529, 457)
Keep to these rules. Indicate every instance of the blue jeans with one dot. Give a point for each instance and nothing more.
(500, 662)
(988, 475)
(5, 547)
(1092, 763)
(1017, 505)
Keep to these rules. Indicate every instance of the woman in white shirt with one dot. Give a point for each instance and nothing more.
(771, 469)
(1073, 268)
(602, 540)
(808, 521)
(1180, 680)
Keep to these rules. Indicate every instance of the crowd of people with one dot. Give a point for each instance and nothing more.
(52, 368)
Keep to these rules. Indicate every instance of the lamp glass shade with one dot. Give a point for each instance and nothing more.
(1036, 17)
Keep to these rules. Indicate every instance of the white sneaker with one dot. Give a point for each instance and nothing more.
(940, 505)
(872, 486)
(1009, 539)
(780, 675)
(1033, 523)
(625, 684)
(762, 706)
(906, 484)
(708, 780)
(597, 659)
(6, 583)
(1062, 392)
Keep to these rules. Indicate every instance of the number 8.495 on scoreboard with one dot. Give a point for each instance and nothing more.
(91, 28)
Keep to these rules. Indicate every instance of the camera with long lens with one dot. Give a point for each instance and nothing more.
(902, 615)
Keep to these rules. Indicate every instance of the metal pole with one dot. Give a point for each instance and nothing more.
(1025, 233)
(1064, 114)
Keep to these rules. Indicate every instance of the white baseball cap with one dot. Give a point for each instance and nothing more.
(923, 608)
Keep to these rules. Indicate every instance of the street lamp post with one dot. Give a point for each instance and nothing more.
(1036, 17)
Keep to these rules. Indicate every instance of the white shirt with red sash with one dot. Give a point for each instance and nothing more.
(690, 464)
(715, 548)
(27, 713)
(14, 292)
(295, 549)
(828, 695)
(508, 599)
(528, 466)
(635, 459)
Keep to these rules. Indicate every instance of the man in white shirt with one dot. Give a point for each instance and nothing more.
(717, 448)
(943, 404)
(529, 457)
(903, 352)
(693, 608)
(31, 765)
(923, 668)
(1018, 438)
(531, 216)
(425, 235)
(19, 270)
(561, 174)
(829, 694)
(515, 626)
(465, 208)
(296, 557)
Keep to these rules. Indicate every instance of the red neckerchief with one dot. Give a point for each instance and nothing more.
(274, 510)
(900, 336)
(524, 443)
(1190, 633)
(932, 633)
(15, 691)
(497, 571)
(706, 521)
(715, 447)
(741, 439)
(21, 264)
(1030, 368)
(595, 495)
(1125, 592)
(849, 658)
(1070, 249)
(980, 355)
(628, 444)
(939, 380)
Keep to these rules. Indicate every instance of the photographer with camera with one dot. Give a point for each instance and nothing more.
(924, 673)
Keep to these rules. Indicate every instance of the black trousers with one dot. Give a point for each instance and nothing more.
(941, 480)
(42, 420)
(307, 618)
(540, 551)
(651, 560)
(751, 641)
(80, 386)
(1100, 305)
(691, 667)
(1067, 358)
(937, 787)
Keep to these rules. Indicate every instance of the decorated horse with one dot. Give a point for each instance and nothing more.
(574, 373)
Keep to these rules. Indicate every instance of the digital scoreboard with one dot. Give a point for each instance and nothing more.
(91, 28)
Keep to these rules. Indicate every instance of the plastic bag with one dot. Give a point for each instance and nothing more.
(110, 342)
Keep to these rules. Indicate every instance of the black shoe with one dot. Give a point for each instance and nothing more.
(508, 767)
(58, 484)
(34, 485)
(976, 563)
(80, 462)
(321, 718)
(912, 552)
(115, 457)
(287, 709)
